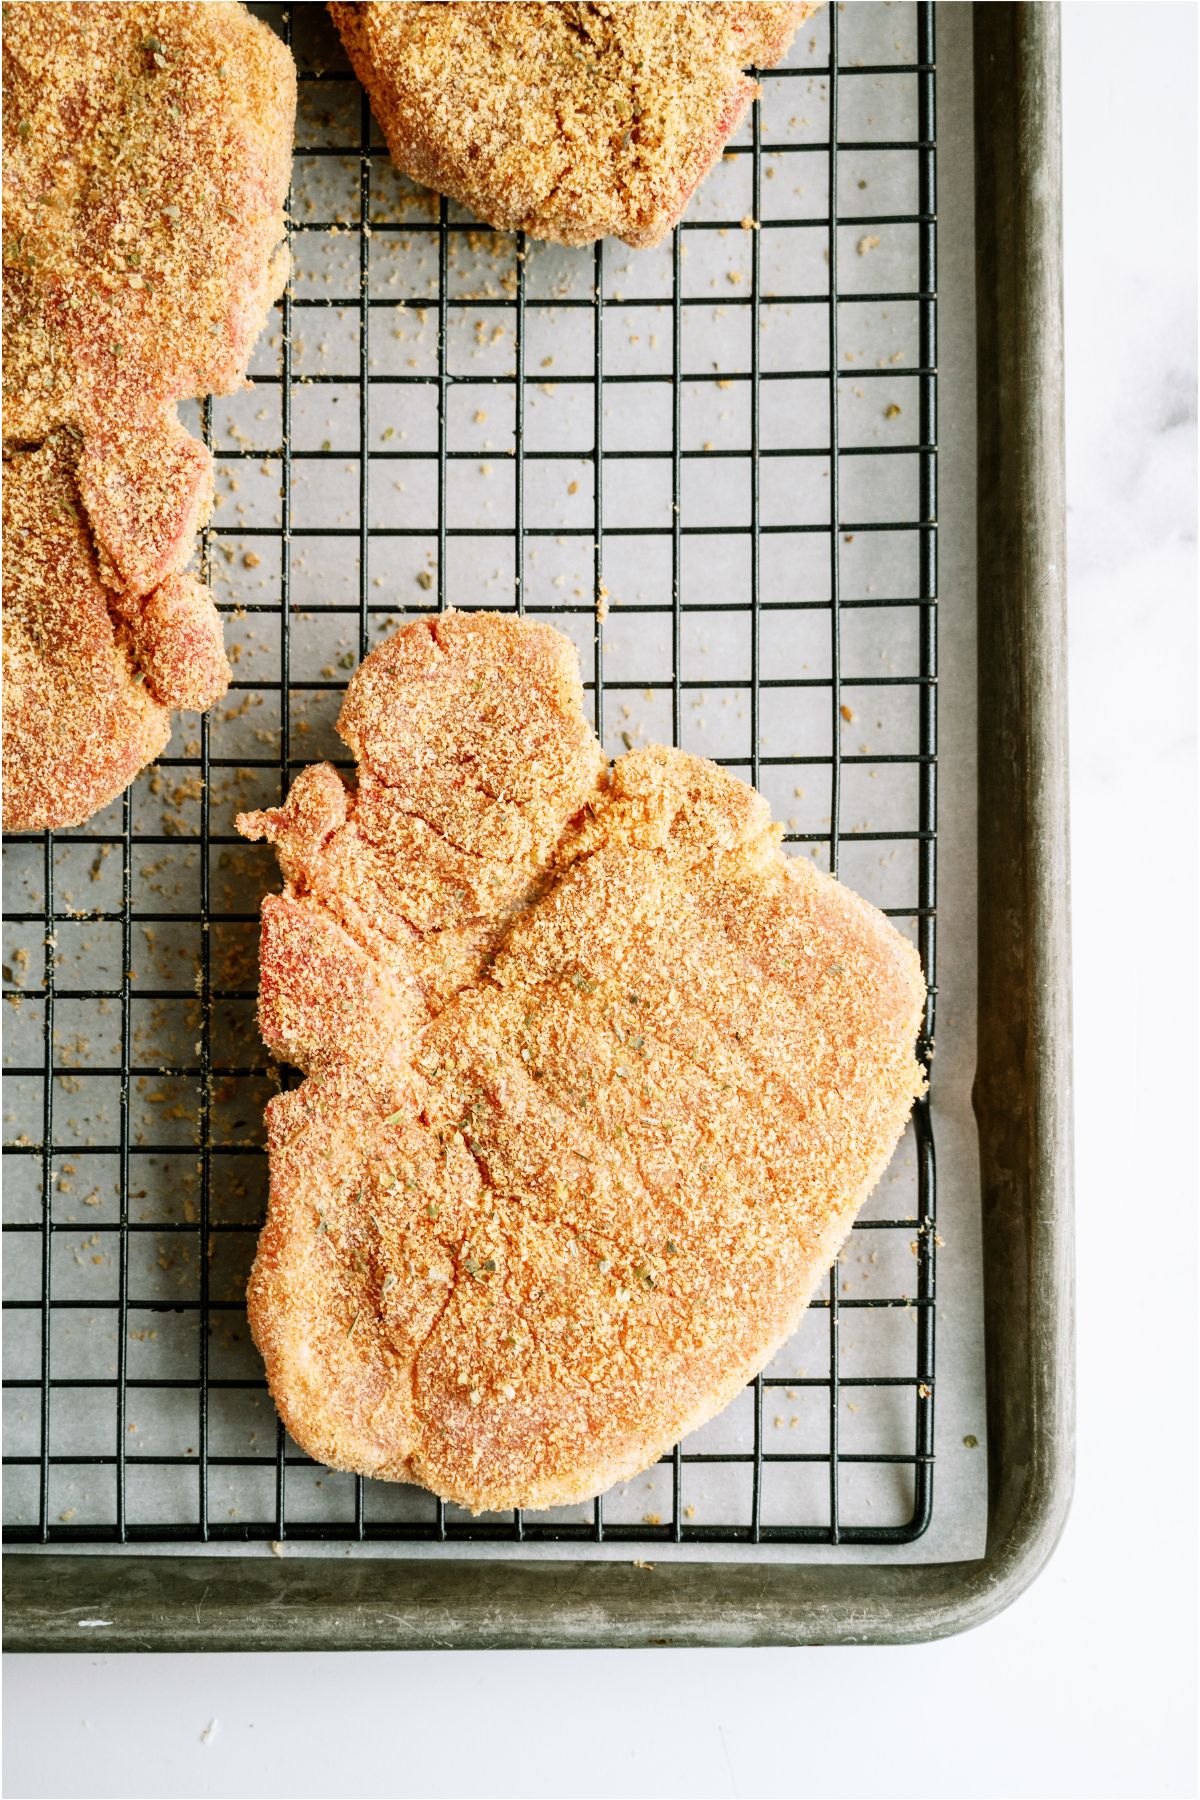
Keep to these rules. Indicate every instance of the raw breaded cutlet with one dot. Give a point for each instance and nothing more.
(542, 1207)
(571, 122)
(147, 154)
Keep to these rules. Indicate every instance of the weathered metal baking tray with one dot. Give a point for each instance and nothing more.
(1022, 1100)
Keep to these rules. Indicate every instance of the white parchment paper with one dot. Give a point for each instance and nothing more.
(245, 738)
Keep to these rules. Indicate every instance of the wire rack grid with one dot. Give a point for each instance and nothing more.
(135, 1408)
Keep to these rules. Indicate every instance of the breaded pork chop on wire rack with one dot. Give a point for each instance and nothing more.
(571, 122)
(597, 1079)
(147, 154)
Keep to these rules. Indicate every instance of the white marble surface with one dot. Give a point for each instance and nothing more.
(1087, 1686)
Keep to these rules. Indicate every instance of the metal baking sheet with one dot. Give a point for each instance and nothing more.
(671, 640)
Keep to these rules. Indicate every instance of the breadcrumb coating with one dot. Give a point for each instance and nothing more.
(571, 122)
(535, 1215)
(473, 756)
(88, 685)
(147, 154)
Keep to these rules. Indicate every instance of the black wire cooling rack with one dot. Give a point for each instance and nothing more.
(135, 1410)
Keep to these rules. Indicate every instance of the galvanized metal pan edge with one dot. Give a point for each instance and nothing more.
(1023, 1103)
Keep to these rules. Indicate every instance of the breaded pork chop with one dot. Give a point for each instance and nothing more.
(147, 152)
(569, 121)
(536, 1213)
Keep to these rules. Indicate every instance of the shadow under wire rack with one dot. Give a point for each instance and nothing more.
(714, 466)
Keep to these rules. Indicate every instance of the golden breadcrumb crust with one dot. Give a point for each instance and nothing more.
(147, 153)
(540, 1209)
(76, 726)
(571, 122)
